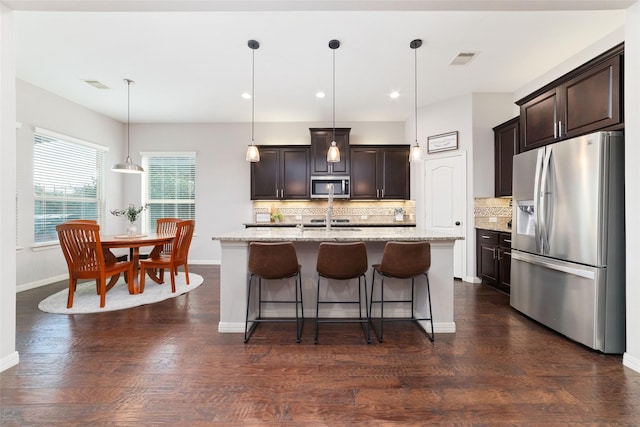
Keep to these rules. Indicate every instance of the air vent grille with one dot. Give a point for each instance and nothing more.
(463, 58)
(96, 84)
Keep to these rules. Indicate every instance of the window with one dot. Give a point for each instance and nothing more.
(68, 178)
(168, 186)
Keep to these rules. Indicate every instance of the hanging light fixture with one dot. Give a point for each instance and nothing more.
(416, 153)
(253, 155)
(128, 166)
(333, 155)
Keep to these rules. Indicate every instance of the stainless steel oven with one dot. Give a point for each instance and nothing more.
(321, 186)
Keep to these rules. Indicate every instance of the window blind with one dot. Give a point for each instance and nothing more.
(168, 187)
(68, 182)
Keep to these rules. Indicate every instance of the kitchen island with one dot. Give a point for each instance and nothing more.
(234, 258)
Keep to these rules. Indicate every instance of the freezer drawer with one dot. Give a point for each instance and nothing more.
(569, 298)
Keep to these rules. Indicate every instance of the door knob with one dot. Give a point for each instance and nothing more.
(457, 222)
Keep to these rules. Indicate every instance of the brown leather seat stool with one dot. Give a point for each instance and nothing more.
(402, 260)
(273, 261)
(344, 261)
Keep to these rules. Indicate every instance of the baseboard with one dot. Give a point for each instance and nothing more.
(472, 279)
(44, 282)
(9, 361)
(631, 362)
(230, 327)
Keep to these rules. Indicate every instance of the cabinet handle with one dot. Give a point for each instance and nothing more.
(559, 127)
(555, 130)
(493, 251)
(508, 252)
(377, 193)
(486, 237)
(507, 240)
(382, 193)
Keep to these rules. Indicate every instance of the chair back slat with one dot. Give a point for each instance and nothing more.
(182, 242)
(167, 226)
(80, 243)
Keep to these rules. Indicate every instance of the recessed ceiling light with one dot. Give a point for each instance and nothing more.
(320, 95)
(463, 58)
(246, 95)
(395, 94)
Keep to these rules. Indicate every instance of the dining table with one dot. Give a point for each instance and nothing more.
(134, 243)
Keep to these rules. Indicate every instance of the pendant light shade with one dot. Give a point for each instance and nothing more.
(333, 155)
(253, 155)
(416, 152)
(128, 166)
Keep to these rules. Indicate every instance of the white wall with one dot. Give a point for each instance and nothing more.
(632, 172)
(8, 354)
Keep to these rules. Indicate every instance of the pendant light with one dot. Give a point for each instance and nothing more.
(128, 166)
(416, 153)
(333, 155)
(253, 155)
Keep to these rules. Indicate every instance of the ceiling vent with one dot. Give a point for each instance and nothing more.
(463, 58)
(96, 84)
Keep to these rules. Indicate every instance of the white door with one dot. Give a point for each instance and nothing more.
(445, 200)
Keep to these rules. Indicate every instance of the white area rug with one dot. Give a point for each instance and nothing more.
(86, 300)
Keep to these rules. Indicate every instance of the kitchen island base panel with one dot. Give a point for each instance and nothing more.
(233, 287)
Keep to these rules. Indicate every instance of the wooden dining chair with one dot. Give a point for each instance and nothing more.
(80, 243)
(167, 226)
(178, 256)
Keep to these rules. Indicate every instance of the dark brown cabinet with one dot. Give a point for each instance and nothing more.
(380, 172)
(321, 139)
(583, 101)
(506, 136)
(281, 173)
(493, 258)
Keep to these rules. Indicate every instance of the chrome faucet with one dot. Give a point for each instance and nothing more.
(329, 208)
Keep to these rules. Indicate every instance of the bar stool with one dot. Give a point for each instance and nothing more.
(273, 261)
(343, 261)
(402, 260)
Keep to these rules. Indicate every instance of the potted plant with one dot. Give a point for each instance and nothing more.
(277, 216)
(131, 214)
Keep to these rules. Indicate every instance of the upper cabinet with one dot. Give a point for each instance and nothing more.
(380, 172)
(321, 139)
(282, 173)
(506, 137)
(585, 100)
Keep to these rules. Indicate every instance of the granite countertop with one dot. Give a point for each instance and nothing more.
(321, 225)
(342, 234)
(496, 227)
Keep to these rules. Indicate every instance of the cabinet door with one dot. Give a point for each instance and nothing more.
(294, 163)
(592, 99)
(364, 173)
(538, 120)
(505, 146)
(487, 256)
(395, 173)
(505, 269)
(265, 175)
(321, 139)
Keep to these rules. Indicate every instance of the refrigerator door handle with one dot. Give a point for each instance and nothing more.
(536, 197)
(543, 214)
(587, 274)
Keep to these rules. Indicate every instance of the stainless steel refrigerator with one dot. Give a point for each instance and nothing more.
(568, 247)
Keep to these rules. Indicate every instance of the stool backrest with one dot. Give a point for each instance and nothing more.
(342, 260)
(273, 260)
(405, 259)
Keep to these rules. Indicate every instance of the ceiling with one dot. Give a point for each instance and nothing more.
(191, 62)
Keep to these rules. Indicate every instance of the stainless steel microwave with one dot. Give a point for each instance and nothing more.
(321, 186)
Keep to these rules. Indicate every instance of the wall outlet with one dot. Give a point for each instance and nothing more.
(363, 217)
(493, 219)
(298, 216)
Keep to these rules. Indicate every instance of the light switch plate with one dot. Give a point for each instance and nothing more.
(263, 217)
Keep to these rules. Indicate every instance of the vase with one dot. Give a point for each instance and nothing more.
(132, 230)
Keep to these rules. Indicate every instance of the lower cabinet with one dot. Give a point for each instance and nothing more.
(493, 258)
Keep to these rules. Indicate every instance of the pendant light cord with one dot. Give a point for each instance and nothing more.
(415, 89)
(128, 117)
(334, 95)
(253, 74)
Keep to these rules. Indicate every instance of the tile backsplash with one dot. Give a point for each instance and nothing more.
(492, 213)
(370, 212)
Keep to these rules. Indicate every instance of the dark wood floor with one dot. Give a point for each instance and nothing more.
(166, 364)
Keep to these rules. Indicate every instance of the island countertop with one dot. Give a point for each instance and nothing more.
(342, 234)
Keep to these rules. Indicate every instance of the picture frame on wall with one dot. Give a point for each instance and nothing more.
(443, 142)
